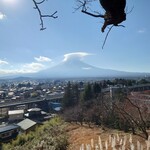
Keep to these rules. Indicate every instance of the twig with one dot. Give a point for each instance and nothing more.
(130, 10)
(93, 15)
(41, 15)
(108, 33)
(83, 4)
(40, 2)
(107, 36)
(120, 25)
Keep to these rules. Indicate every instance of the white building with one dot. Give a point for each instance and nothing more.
(15, 115)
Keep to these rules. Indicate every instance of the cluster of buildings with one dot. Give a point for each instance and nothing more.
(21, 121)
(26, 90)
(31, 97)
(25, 117)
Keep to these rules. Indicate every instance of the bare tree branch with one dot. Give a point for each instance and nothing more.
(139, 121)
(139, 111)
(107, 36)
(93, 15)
(128, 12)
(41, 15)
(83, 6)
(40, 2)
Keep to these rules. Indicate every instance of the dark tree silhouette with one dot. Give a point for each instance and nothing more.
(41, 15)
(115, 12)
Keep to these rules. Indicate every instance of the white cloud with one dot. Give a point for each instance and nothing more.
(142, 30)
(2, 16)
(2, 62)
(76, 55)
(33, 67)
(26, 68)
(8, 71)
(42, 59)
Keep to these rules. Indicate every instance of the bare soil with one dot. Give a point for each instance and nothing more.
(79, 135)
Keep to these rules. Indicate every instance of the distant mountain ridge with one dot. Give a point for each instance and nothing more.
(75, 68)
(78, 68)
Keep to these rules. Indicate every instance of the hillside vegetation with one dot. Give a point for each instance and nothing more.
(50, 136)
(58, 135)
(96, 138)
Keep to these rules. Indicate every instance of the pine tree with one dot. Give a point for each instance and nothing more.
(88, 93)
(67, 96)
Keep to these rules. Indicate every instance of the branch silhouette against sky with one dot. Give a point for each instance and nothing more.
(127, 49)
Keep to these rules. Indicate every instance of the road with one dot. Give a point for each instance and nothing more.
(10, 103)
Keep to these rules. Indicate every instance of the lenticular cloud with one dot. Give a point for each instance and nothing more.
(77, 55)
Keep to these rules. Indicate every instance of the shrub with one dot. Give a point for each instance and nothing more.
(51, 135)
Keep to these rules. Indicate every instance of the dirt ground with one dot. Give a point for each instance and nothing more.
(79, 135)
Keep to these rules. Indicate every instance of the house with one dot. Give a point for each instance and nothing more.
(36, 114)
(55, 106)
(15, 115)
(27, 125)
(8, 132)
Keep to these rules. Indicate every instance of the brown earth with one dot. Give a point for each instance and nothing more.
(79, 135)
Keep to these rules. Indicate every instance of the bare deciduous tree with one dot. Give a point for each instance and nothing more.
(134, 113)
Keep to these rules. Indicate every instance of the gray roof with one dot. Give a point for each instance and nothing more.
(26, 124)
(8, 128)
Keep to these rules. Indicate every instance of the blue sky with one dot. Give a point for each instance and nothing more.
(24, 48)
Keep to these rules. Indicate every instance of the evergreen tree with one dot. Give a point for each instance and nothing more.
(88, 93)
(96, 89)
(75, 94)
(67, 96)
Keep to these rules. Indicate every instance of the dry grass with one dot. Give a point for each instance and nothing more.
(79, 135)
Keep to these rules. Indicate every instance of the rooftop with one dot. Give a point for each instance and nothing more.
(34, 109)
(8, 128)
(26, 124)
(15, 112)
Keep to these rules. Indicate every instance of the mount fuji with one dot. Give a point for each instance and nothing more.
(74, 68)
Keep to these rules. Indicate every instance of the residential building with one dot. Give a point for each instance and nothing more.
(8, 132)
